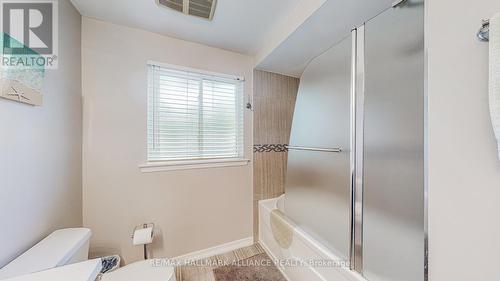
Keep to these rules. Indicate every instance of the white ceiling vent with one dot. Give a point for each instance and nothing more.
(200, 8)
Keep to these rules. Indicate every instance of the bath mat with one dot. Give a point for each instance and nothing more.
(257, 268)
(196, 272)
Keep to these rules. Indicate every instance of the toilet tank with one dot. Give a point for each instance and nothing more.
(62, 247)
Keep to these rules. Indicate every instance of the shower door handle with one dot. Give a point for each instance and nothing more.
(334, 150)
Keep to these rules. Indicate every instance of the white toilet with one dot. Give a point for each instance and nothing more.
(141, 271)
(62, 247)
(68, 246)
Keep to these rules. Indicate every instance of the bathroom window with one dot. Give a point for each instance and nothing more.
(193, 115)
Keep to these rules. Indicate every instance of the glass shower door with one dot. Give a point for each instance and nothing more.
(393, 189)
(318, 175)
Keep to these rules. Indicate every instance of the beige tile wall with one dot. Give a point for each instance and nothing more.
(274, 103)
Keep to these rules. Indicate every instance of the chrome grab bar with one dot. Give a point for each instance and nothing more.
(335, 150)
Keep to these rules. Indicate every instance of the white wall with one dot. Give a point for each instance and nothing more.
(40, 151)
(193, 209)
(464, 170)
(279, 33)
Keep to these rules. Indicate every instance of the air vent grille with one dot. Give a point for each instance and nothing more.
(200, 8)
(172, 4)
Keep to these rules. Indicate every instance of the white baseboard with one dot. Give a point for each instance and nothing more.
(216, 250)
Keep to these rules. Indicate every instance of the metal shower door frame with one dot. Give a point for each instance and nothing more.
(356, 130)
(357, 94)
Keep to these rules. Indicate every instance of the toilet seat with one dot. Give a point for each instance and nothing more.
(141, 271)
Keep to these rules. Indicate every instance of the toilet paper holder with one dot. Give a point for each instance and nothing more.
(143, 226)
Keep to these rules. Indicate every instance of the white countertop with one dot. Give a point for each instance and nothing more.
(82, 271)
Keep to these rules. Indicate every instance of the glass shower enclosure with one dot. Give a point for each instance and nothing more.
(355, 177)
(318, 184)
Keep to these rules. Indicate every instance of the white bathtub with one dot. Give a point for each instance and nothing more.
(302, 247)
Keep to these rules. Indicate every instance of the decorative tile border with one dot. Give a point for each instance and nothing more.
(260, 148)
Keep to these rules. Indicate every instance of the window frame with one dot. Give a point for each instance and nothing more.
(200, 163)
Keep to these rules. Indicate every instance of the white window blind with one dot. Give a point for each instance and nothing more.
(193, 115)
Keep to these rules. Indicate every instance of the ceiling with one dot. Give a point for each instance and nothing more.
(327, 26)
(246, 26)
(239, 25)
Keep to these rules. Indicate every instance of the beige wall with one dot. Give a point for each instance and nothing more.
(40, 151)
(464, 170)
(193, 209)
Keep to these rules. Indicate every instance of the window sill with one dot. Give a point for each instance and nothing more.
(152, 167)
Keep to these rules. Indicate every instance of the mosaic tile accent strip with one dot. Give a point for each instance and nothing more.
(259, 148)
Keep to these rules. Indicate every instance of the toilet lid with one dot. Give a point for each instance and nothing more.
(146, 270)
